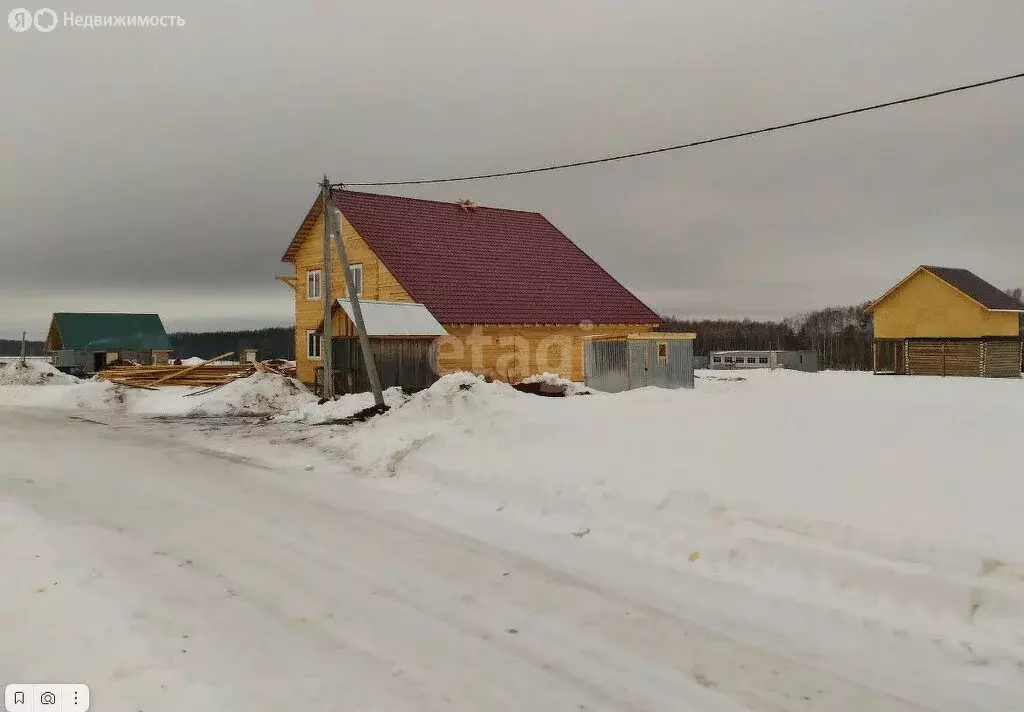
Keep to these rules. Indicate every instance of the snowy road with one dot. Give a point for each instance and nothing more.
(169, 575)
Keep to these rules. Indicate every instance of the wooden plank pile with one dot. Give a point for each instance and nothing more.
(207, 374)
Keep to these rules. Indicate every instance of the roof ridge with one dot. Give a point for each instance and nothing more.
(958, 269)
(436, 202)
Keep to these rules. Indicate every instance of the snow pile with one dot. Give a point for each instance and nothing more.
(35, 372)
(558, 384)
(197, 360)
(316, 413)
(460, 411)
(258, 394)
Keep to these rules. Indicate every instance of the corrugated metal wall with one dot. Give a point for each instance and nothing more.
(673, 371)
(613, 365)
(605, 365)
(406, 362)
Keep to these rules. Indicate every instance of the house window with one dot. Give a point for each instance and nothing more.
(357, 279)
(313, 284)
(751, 359)
(718, 359)
(728, 359)
(313, 340)
(763, 359)
(662, 352)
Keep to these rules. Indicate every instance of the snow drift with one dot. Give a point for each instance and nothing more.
(35, 372)
(261, 394)
(862, 498)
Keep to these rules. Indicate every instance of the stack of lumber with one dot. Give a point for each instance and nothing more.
(206, 374)
(285, 368)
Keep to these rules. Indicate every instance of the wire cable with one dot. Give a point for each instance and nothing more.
(692, 144)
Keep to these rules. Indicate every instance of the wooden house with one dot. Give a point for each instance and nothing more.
(87, 342)
(514, 294)
(943, 321)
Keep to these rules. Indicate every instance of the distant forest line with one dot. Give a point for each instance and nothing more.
(841, 336)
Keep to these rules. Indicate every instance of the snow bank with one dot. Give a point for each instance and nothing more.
(885, 499)
(35, 372)
(315, 413)
(260, 394)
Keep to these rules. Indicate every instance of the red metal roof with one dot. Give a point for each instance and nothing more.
(488, 265)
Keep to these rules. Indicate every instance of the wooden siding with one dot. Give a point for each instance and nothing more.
(944, 358)
(1003, 358)
(926, 307)
(991, 357)
(378, 283)
(408, 362)
(512, 352)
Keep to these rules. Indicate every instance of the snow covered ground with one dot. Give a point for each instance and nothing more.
(786, 542)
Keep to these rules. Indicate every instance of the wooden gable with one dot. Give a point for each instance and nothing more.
(924, 306)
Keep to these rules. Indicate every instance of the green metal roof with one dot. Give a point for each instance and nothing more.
(111, 332)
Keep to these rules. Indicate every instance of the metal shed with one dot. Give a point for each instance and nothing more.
(403, 339)
(620, 363)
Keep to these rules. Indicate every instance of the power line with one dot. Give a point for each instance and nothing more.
(692, 144)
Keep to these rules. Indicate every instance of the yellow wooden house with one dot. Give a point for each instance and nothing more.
(513, 293)
(945, 321)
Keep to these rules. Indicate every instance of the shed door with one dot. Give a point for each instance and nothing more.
(659, 359)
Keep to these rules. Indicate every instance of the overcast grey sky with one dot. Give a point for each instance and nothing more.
(166, 169)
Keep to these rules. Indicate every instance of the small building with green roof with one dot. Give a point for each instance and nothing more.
(88, 342)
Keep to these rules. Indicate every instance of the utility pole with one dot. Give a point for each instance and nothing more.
(23, 334)
(326, 352)
(357, 310)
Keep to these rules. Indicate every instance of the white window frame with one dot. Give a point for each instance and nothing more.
(353, 270)
(319, 284)
(319, 344)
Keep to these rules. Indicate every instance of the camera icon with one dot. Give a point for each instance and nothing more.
(58, 697)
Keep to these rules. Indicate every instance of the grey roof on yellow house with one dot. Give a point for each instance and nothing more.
(967, 283)
(988, 295)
